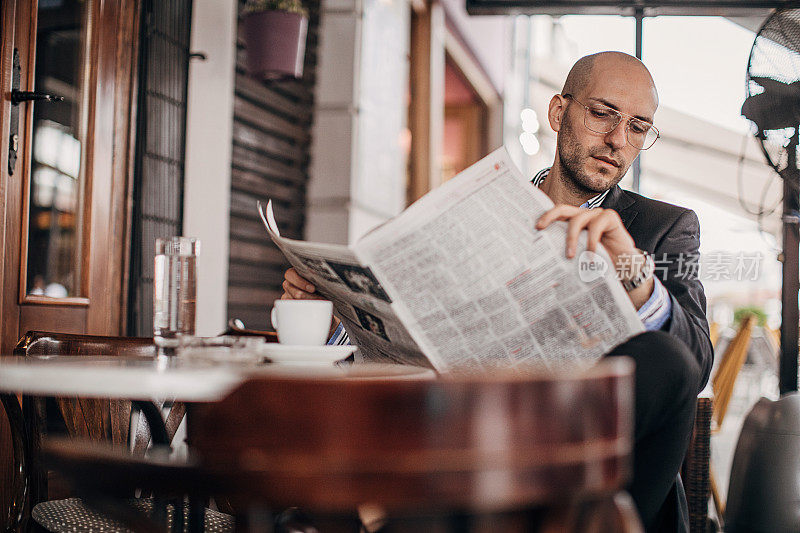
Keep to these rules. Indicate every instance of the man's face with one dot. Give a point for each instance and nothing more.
(595, 162)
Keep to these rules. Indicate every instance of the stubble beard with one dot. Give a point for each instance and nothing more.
(573, 157)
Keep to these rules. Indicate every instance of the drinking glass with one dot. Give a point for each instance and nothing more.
(175, 291)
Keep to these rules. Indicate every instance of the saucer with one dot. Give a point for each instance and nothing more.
(305, 355)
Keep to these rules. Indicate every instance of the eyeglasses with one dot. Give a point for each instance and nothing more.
(600, 118)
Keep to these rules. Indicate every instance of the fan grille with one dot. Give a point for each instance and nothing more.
(773, 88)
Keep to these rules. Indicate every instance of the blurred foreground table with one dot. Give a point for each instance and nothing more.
(385, 442)
(500, 453)
(174, 378)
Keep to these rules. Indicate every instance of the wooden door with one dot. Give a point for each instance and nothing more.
(64, 200)
(64, 210)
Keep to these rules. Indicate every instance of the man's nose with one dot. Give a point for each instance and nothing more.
(618, 137)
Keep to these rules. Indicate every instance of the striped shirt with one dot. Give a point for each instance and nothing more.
(538, 179)
(654, 313)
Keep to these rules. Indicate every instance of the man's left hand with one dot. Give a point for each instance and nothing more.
(603, 226)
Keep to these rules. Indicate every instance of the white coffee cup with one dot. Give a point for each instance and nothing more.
(302, 322)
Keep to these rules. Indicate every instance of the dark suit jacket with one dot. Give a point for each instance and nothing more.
(667, 231)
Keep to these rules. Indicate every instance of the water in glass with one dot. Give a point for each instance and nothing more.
(175, 282)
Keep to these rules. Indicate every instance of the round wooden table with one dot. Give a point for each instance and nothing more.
(500, 453)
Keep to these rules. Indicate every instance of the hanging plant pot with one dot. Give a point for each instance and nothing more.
(275, 43)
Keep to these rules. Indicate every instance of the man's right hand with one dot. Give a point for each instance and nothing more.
(296, 287)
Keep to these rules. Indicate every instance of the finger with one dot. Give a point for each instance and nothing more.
(594, 232)
(298, 281)
(559, 212)
(604, 222)
(577, 223)
(288, 291)
(611, 228)
(295, 292)
(613, 220)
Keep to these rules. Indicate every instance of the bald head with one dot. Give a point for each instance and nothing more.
(605, 63)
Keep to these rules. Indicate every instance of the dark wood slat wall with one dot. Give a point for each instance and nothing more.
(271, 151)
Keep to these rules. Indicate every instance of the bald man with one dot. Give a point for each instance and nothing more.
(603, 119)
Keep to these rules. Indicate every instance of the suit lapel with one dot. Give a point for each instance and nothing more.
(622, 203)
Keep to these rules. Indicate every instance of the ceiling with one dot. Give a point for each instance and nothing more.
(751, 10)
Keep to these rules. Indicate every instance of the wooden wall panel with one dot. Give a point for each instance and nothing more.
(270, 159)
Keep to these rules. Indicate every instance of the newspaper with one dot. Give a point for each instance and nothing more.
(461, 281)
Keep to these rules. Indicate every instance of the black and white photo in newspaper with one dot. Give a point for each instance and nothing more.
(359, 299)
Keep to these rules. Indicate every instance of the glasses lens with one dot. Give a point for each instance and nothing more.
(637, 133)
(641, 135)
(651, 138)
(601, 119)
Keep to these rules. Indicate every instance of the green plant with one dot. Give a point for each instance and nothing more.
(290, 6)
(741, 312)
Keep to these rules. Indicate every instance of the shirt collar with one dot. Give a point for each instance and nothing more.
(539, 177)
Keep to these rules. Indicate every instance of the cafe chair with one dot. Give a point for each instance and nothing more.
(38, 496)
(697, 473)
(103, 474)
(764, 487)
(696, 469)
(502, 453)
(723, 381)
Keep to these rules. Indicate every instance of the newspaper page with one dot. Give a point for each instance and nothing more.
(478, 287)
(359, 299)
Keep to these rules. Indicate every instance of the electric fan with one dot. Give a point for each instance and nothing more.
(773, 105)
(764, 491)
(773, 89)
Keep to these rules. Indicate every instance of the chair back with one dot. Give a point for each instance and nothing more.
(492, 444)
(764, 487)
(96, 419)
(696, 469)
(42, 343)
(103, 420)
(730, 364)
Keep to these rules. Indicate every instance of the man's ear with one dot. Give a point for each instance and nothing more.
(556, 110)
